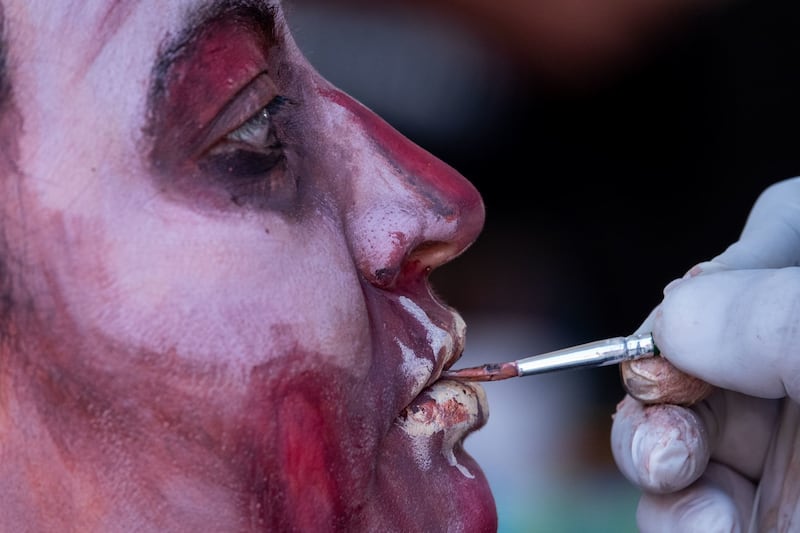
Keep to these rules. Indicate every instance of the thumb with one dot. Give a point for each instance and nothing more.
(735, 329)
(771, 235)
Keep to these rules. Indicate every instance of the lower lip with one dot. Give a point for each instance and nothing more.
(449, 409)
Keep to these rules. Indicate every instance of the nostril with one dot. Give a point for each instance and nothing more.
(384, 277)
(431, 254)
(422, 260)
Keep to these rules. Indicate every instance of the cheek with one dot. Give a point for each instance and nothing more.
(210, 289)
(307, 452)
(314, 439)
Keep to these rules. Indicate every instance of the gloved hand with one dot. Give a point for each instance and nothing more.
(730, 462)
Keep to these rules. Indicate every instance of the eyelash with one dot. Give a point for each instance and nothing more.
(251, 159)
(262, 119)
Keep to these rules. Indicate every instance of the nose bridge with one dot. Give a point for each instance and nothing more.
(411, 212)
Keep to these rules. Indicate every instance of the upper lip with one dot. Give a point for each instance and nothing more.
(435, 405)
(446, 339)
(457, 333)
(444, 331)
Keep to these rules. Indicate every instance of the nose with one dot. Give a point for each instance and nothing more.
(409, 212)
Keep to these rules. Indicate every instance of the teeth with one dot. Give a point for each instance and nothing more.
(452, 409)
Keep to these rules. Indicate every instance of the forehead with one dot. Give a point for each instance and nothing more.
(82, 71)
(77, 34)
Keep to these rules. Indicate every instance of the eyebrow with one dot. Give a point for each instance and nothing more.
(258, 13)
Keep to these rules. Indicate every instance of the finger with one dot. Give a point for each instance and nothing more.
(666, 449)
(735, 329)
(771, 236)
(740, 429)
(722, 500)
(655, 380)
(660, 448)
(770, 239)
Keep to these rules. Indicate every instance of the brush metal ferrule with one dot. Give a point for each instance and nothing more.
(592, 354)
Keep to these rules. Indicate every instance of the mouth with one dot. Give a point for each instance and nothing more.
(423, 461)
(445, 344)
(442, 412)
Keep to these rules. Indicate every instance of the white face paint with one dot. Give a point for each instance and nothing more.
(452, 408)
(450, 411)
(441, 341)
(414, 367)
(205, 313)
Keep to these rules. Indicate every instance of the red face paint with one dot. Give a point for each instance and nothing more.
(413, 159)
(209, 71)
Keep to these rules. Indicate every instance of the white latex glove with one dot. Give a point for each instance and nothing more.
(732, 461)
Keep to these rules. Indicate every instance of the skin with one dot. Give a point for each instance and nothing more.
(211, 332)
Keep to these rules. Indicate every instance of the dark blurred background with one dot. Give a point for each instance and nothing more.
(616, 144)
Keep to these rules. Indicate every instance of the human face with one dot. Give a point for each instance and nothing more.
(223, 281)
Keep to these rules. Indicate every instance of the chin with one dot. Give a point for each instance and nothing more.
(425, 480)
(439, 499)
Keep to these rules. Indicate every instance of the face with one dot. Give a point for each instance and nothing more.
(218, 267)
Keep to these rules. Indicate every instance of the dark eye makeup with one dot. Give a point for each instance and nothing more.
(216, 116)
(250, 159)
(251, 149)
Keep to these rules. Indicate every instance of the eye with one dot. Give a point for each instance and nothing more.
(256, 131)
(252, 149)
(250, 159)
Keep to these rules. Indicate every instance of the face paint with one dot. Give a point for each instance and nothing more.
(231, 322)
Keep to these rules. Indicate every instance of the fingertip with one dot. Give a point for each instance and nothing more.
(666, 464)
(695, 510)
(671, 448)
(733, 330)
(660, 448)
(655, 380)
(721, 500)
(706, 267)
